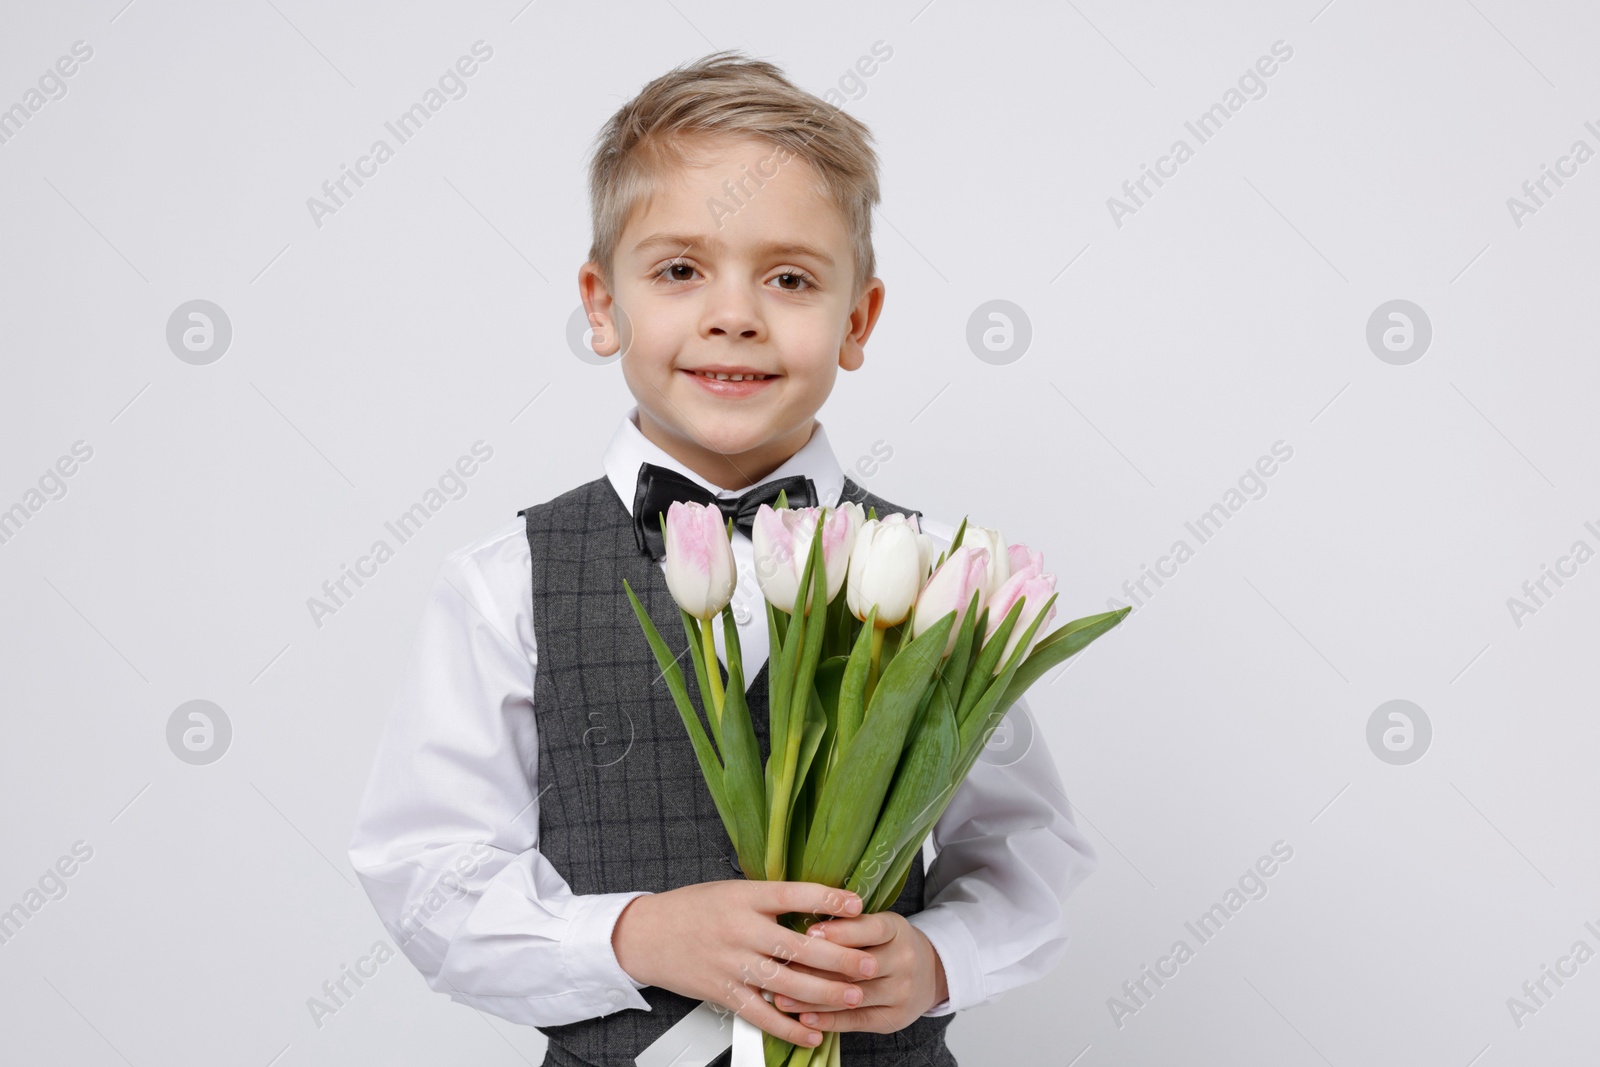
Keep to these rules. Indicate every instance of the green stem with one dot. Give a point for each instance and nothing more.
(783, 790)
(778, 833)
(872, 669)
(713, 675)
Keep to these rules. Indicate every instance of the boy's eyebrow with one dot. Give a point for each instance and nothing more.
(685, 242)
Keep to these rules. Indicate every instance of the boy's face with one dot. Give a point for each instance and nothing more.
(716, 271)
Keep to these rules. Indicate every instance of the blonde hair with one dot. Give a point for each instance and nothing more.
(728, 93)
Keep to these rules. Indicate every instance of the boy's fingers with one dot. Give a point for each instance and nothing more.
(795, 1005)
(754, 1008)
(779, 898)
(859, 932)
(873, 1019)
(825, 954)
(853, 975)
(823, 988)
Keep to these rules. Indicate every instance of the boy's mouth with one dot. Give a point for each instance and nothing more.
(732, 381)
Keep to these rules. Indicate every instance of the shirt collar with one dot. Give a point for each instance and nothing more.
(629, 448)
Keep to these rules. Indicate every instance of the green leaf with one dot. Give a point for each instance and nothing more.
(830, 673)
(1057, 645)
(777, 683)
(788, 722)
(961, 652)
(853, 686)
(776, 1049)
(691, 633)
(815, 576)
(975, 735)
(981, 674)
(841, 625)
(742, 775)
(853, 795)
(801, 815)
(710, 766)
(903, 865)
(986, 713)
(955, 543)
(816, 727)
(921, 784)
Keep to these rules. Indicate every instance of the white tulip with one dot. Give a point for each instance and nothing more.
(887, 568)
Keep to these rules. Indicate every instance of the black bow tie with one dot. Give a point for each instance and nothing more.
(660, 486)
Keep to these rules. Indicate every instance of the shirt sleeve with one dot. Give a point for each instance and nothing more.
(1008, 854)
(446, 835)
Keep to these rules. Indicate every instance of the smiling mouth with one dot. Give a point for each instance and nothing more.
(731, 387)
(718, 377)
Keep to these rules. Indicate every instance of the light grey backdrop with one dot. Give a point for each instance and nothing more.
(1169, 348)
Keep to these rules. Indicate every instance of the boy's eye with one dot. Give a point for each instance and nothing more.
(801, 276)
(666, 271)
(790, 281)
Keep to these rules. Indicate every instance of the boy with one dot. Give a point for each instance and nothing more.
(536, 833)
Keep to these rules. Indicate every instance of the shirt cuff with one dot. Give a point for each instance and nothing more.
(590, 958)
(958, 954)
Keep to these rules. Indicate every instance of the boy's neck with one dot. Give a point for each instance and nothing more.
(724, 470)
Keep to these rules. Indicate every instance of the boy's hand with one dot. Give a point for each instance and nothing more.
(721, 942)
(910, 975)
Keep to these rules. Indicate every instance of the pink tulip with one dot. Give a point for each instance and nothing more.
(780, 540)
(999, 558)
(699, 563)
(964, 572)
(1033, 587)
(1022, 557)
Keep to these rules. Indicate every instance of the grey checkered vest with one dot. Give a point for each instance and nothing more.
(622, 803)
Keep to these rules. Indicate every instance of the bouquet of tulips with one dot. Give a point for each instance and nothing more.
(879, 700)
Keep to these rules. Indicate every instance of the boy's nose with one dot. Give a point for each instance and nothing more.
(731, 311)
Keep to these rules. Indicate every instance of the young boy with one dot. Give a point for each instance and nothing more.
(536, 833)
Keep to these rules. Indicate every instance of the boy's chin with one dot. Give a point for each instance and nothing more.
(723, 429)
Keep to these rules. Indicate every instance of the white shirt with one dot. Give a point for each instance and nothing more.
(446, 837)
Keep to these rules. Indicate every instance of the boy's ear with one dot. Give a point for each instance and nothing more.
(863, 317)
(602, 310)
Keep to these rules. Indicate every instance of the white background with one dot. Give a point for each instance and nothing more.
(1167, 355)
